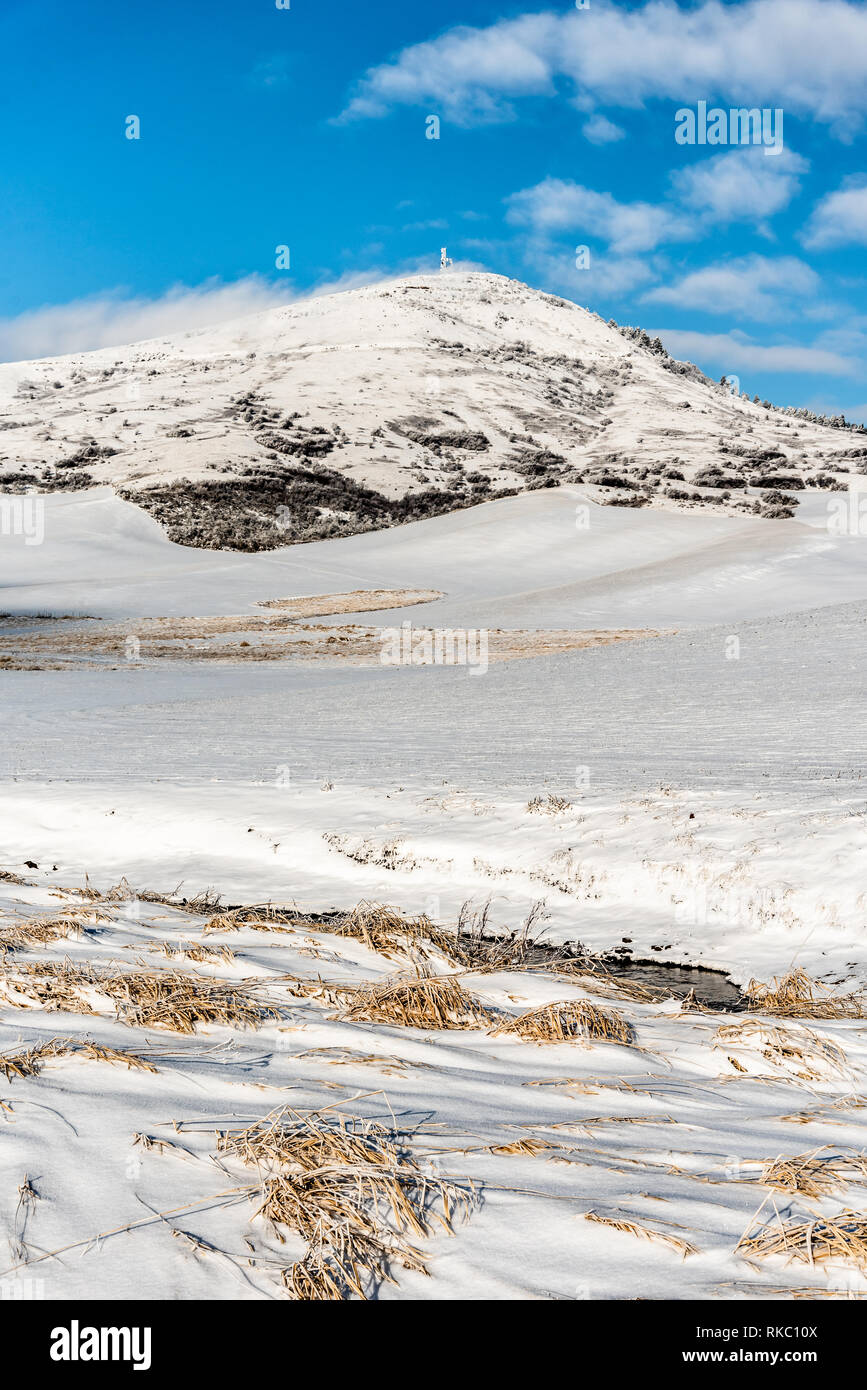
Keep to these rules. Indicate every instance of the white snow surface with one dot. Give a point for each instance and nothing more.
(713, 813)
(466, 350)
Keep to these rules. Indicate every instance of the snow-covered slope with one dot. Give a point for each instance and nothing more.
(694, 796)
(314, 419)
(517, 562)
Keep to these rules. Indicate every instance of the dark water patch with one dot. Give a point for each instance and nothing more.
(711, 987)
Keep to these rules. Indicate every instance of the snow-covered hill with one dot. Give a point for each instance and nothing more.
(367, 408)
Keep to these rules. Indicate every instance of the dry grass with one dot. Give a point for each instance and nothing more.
(633, 1228)
(259, 917)
(596, 979)
(796, 995)
(835, 1110)
(477, 948)
(52, 985)
(195, 950)
(146, 998)
(31, 1061)
(549, 805)
(797, 1052)
(842, 1237)
(384, 929)
(424, 1002)
(811, 1175)
(123, 892)
(567, 1020)
(351, 1191)
(778, 1291)
(524, 1148)
(40, 931)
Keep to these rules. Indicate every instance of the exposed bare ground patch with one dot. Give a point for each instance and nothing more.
(279, 634)
(355, 601)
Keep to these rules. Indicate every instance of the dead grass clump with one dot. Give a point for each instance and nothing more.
(259, 917)
(122, 892)
(384, 929)
(162, 999)
(425, 1002)
(633, 1228)
(796, 995)
(811, 1175)
(567, 1020)
(31, 1061)
(797, 1052)
(39, 932)
(478, 948)
(113, 1054)
(52, 985)
(351, 1191)
(6, 876)
(842, 1237)
(197, 951)
(169, 999)
(549, 805)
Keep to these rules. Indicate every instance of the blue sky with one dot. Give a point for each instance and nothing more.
(307, 127)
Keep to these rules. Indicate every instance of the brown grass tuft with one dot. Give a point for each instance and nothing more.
(567, 1020)
(798, 1052)
(259, 917)
(842, 1237)
(424, 1002)
(31, 1062)
(41, 931)
(203, 903)
(162, 999)
(195, 950)
(352, 1192)
(797, 996)
(384, 929)
(811, 1175)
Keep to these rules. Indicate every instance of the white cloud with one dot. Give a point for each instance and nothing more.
(600, 131)
(556, 206)
(756, 287)
(807, 56)
(733, 353)
(112, 319)
(600, 275)
(740, 185)
(840, 219)
(471, 73)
